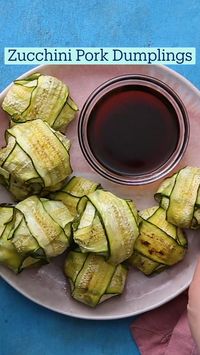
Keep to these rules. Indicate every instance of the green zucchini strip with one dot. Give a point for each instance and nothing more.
(90, 234)
(183, 197)
(73, 192)
(66, 115)
(144, 264)
(92, 279)
(155, 244)
(8, 253)
(160, 244)
(48, 233)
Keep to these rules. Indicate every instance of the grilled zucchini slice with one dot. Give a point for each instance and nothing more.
(160, 244)
(179, 195)
(90, 234)
(73, 191)
(107, 226)
(35, 161)
(92, 279)
(40, 96)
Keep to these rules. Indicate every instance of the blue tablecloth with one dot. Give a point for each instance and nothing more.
(26, 328)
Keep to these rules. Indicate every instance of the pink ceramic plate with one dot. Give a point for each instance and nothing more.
(47, 286)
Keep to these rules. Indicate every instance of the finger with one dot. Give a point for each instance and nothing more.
(196, 277)
(194, 289)
(193, 306)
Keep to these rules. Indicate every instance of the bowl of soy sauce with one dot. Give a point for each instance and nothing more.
(133, 129)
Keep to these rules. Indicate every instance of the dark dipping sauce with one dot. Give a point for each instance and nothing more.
(133, 130)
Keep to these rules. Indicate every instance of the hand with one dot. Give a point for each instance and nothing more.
(194, 305)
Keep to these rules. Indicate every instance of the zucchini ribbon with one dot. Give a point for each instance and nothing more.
(159, 245)
(92, 279)
(40, 96)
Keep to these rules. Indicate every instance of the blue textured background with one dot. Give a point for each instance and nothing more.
(26, 328)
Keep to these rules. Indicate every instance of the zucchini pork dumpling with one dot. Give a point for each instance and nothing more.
(33, 231)
(92, 279)
(179, 195)
(160, 244)
(107, 226)
(40, 96)
(36, 159)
